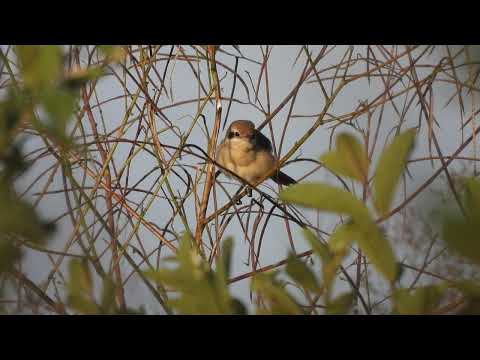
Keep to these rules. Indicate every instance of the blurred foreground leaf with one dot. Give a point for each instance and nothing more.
(348, 159)
(81, 294)
(50, 89)
(472, 198)
(471, 292)
(80, 288)
(320, 249)
(200, 290)
(459, 231)
(366, 232)
(278, 299)
(13, 108)
(378, 251)
(40, 65)
(301, 273)
(462, 237)
(113, 53)
(341, 304)
(389, 169)
(327, 198)
(9, 254)
(421, 301)
(79, 77)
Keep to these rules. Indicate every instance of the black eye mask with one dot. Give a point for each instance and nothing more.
(231, 134)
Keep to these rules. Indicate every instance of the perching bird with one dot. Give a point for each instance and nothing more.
(248, 153)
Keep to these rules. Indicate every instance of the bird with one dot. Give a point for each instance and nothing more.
(246, 152)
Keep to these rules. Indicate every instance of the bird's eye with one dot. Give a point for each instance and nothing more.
(237, 133)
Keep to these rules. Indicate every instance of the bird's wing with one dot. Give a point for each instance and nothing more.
(281, 178)
(262, 142)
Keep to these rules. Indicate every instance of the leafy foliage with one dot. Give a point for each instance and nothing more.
(302, 274)
(279, 301)
(40, 65)
(349, 159)
(341, 304)
(331, 259)
(421, 301)
(389, 169)
(460, 231)
(45, 97)
(200, 289)
(327, 198)
(364, 230)
(471, 293)
(81, 296)
(41, 69)
(44, 86)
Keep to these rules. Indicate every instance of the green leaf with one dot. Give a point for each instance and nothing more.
(370, 240)
(19, 217)
(348, 159)
(59, 106)
(369, 237)
(330, 261)
(113, 53)
(461, 237)
(301, 273)
(200, 290)
(469, 288)
(389, 169)
(238, 307)
(224, 260)
(9, 254)
(2, 307)
(423, 300)
(222, 273)
(327, 198)
(342, 237)
(472, 198)
(320, 249)
(341, 304)
(82, 304)
(472, 307)
(130, 311)
(471, 292)
(80, 281)
(378, 251)
(108, 296)
(12, 109)
(13, 164)
(80, 288)
(280, 302)
(78, 78)
(40, 66)
(460, 232)
(338, 244)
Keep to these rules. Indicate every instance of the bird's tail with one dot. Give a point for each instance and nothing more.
(282, 178)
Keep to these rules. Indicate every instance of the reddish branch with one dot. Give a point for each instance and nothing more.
(210, 177)
(120, 297)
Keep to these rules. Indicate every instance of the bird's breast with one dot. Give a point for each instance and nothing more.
(247, 163)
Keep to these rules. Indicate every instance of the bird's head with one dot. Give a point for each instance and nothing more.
(241, 131)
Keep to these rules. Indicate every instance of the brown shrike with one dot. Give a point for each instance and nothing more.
(246, 152)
